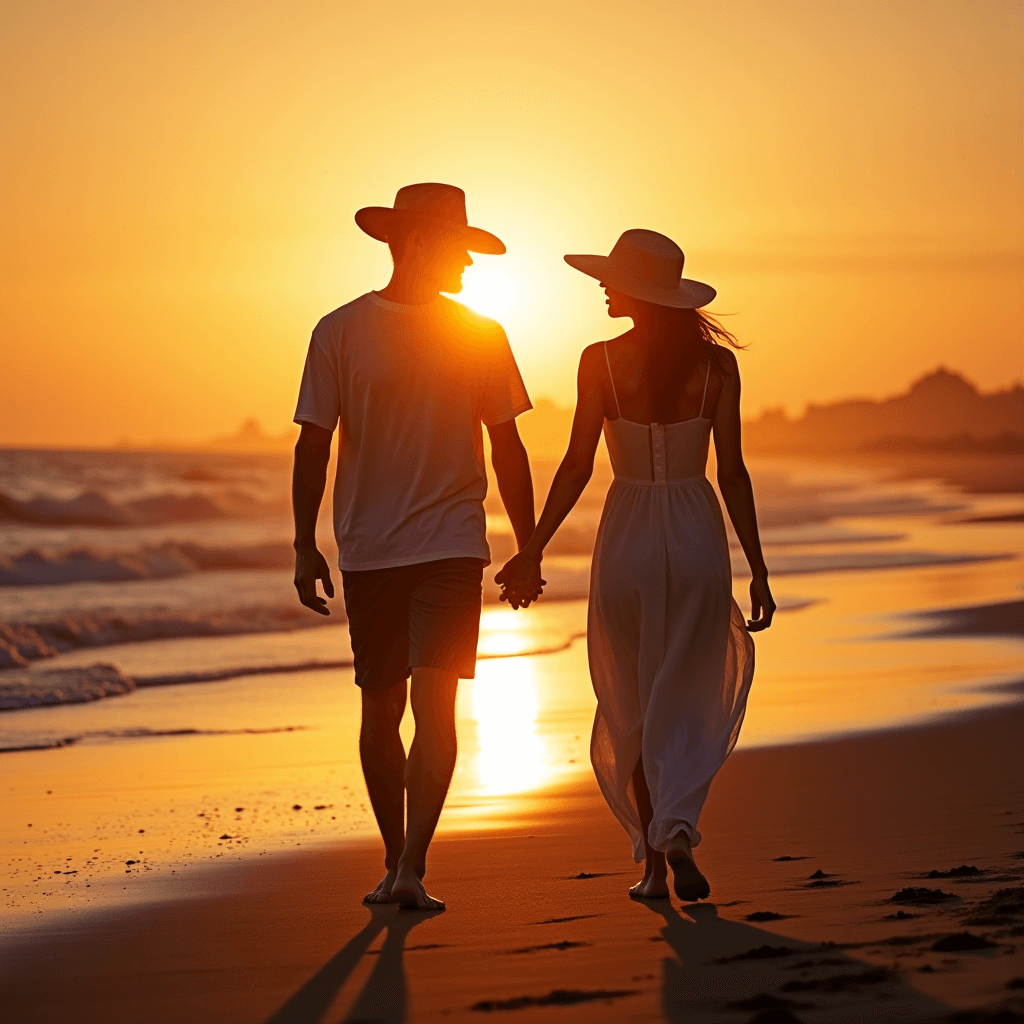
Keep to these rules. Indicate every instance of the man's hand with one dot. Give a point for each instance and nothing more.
(520, 581)
(311, 566)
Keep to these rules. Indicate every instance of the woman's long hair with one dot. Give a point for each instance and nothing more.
(689, 337)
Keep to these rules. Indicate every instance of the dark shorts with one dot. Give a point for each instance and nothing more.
(425, 615)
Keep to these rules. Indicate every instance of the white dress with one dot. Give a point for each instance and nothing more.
(670, 657)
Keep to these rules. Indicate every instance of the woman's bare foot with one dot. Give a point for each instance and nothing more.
(651, 888)
(687, 881)
(654, 885)
(382, 893)
(408, 892)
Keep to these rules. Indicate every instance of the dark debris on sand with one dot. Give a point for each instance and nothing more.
(766, 915)
(565, 920)
(829, 961)
(840, 982)
(900, 915)
(787, 857)
(1004, 906)
(563, 945)
(964, 871)
(1005, 901)
(918, 896)
(762, 953)
(961, 942)
(556, 997)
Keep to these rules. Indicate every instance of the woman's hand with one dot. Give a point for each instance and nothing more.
(762, 605)
(520, 580)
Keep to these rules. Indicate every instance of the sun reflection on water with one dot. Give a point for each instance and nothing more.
(511, 757)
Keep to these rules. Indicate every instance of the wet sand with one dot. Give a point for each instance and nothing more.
(539, 927)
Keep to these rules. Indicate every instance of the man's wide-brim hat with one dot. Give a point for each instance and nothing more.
(647, 266)
(431, 206)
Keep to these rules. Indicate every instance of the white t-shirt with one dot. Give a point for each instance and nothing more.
(411, 386)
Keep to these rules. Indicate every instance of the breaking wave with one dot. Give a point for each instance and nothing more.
(136, 734)
(89, 565)
(21, 643)
(94, 508)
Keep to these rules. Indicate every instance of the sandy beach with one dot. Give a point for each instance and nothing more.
(290, 286)
(806, 846)
(195, 848)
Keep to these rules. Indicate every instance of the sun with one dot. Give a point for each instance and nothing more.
(490, 292)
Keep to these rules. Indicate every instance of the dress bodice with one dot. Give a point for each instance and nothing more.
(658, 453)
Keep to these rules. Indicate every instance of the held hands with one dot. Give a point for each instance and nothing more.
(762, 605)
(520, 580)
(311, 566)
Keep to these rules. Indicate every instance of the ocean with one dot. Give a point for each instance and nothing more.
(158, 666)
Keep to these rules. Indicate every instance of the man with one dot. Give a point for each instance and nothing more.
(410, 376)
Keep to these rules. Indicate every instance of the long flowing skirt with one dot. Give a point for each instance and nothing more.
(670, 657)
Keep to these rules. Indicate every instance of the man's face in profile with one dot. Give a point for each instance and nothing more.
(440, 256)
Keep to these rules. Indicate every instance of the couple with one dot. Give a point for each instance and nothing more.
(412, 377)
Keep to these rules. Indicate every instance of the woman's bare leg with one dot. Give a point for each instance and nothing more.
(654, 884)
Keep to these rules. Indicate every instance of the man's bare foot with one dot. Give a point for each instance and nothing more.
(653, 887)
(409, 894)
(687, 881)
(382, 893)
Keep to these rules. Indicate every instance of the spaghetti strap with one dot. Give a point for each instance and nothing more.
(704, 397)
(618, 411)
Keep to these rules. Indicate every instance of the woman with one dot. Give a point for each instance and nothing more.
(670, 658)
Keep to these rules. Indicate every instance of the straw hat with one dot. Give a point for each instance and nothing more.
(648, 266)
(430, 205)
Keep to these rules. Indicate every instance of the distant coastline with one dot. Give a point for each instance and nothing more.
(941, 427)
(940, 412)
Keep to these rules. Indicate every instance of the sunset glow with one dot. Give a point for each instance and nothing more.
(511, 758)
(490, 292)
(180, 212)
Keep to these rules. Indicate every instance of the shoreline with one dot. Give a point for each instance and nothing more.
(44, 686)
(541, 907)
(38, 685)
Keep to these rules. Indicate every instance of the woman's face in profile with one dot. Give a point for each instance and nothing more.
(618, 303)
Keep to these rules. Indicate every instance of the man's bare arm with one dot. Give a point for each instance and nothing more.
(515, 482)
(309, 477)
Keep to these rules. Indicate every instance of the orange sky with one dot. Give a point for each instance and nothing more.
(180, 178)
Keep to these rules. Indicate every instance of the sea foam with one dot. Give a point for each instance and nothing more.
(94, 508)
(37, 567)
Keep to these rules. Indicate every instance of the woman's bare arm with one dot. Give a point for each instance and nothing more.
(737, 493)
(522, 573)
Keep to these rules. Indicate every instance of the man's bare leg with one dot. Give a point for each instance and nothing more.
(654, 884)
(428, 773)
(383, 758)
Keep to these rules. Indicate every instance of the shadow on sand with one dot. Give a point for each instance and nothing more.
(384, 997)
(724, 968)
(721, 970)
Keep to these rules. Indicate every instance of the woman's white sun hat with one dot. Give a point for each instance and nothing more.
(647, 266)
